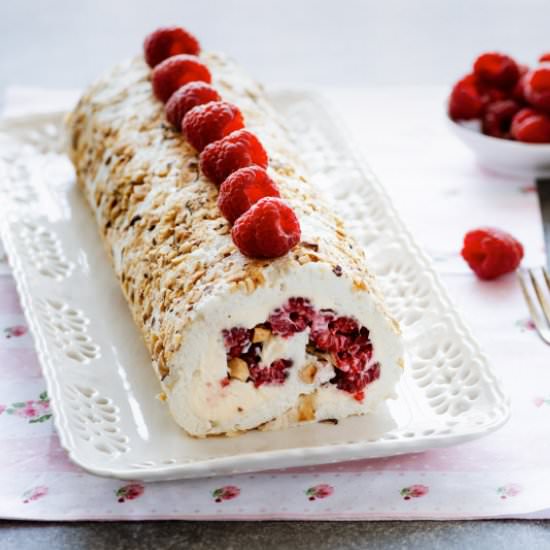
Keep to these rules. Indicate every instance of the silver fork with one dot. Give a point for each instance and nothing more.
(535, 282)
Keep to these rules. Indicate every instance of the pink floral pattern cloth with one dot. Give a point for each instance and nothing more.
(505, 474)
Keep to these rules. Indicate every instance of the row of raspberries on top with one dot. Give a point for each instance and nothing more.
(230, 156)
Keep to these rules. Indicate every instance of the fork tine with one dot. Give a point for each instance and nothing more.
(541, 295)
(525, 283)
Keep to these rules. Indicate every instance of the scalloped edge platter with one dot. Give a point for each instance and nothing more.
(97, 369)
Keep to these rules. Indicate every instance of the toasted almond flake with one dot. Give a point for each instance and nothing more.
(158, 346)
(176, 341)
(250, 285)
(307, 374)
(306, 407)
(238, 369)
(359, 285)
(163, 371)
(170, 280)
(261, 334)
(165, 233)
(177, 260)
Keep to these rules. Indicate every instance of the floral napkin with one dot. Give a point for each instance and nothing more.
(441, 194)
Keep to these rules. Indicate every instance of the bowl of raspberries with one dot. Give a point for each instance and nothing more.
(501, 111)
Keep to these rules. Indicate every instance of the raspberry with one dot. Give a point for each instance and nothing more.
(237, 340)
(187, 97)
(537, 87)
(530, 126)
(242, 189)
(498, 116)
(465, 102)
(210, 122)
(331, 333)
(490, 95)
(359, 396)
(237, 150)
(491, 252)
(518, 92)
(545, 57)
(176, 71)
(295, 316)
(355, 381)
(344, 325)
(269, 229)
(167, 42)
(496, 69)
(356, 354)
(274, 374)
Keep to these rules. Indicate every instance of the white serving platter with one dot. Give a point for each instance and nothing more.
(97, 368)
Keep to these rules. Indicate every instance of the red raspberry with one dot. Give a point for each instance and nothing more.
(491, 252)
(167, 42)
(268, 230)
(176, 71)
(465, 102)
(356, 354)
(544, 57)
(530, 126)
(518, 93)
(355, 381)
(237, 150)
(359, 396)
(496, 69)
(210, 122)
(237, 340)
(331, 333)
(274, 374)
(490, 95)
(295, 316)
(187, 97)
(242, 189)
(537, 87)
(498, 116)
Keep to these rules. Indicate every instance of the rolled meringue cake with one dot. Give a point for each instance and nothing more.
(236, 343)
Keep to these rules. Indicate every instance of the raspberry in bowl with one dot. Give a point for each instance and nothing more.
(501, 112)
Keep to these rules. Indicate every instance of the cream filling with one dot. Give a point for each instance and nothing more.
(203, 405)
(293, 348)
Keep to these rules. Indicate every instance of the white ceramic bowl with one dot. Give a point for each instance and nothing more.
(503, 155)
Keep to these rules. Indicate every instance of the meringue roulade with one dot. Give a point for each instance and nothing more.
(237, 343)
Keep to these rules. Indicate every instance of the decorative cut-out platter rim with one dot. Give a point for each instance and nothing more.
(431, 412)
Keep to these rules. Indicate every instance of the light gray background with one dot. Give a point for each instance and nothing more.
(336, 43)
(65, 43)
